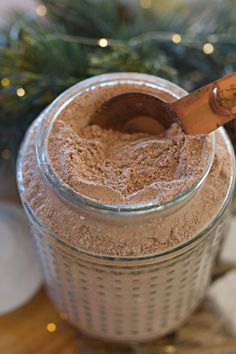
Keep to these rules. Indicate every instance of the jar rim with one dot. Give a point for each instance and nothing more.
(58, 105)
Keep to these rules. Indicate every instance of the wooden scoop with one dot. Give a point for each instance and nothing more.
(200, 112)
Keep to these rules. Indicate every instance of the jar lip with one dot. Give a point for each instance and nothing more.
(58, 105)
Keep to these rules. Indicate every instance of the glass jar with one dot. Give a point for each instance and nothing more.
(115, 297)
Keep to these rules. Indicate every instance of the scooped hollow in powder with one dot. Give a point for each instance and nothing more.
(123, 168)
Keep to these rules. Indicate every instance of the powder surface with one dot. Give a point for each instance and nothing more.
(122, 168)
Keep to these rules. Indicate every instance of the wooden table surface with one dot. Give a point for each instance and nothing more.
(24, 331)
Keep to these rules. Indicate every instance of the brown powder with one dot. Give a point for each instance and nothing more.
(180, 157)
(123, 168)
(226, 99)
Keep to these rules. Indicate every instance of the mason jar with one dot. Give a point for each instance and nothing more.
(113, 296)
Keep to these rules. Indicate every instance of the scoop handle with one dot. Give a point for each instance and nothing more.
(208, 108)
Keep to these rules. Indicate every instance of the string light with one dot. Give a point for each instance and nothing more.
(103, 42)
(5, 82)
(20, 92)
(41, 10)
(176, 38)
(51, 327)
(145, 4)
(6, 154)
(169, 349)
(208, 48)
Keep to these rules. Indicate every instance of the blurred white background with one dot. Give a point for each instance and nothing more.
(7, 5)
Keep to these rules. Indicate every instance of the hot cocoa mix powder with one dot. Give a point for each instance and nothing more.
(120, 168)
